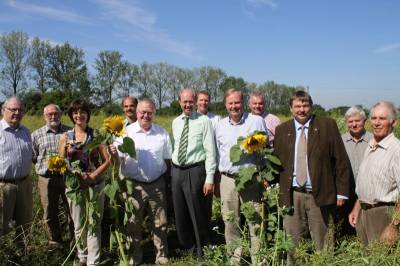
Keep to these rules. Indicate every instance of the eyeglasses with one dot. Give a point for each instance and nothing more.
(15, 110)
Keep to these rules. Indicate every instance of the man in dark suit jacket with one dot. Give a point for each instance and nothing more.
(316, 172)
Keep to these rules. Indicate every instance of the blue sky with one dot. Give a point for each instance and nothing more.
(347, 52)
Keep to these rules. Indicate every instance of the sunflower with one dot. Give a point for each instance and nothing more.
(254, 143)
(114, 125)
(57, 165)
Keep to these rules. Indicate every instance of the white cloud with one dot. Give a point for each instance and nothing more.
(388, 48)
(258, 3)
(49, 12)
(142, 26)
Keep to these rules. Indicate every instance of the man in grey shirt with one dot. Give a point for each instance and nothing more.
(355, 141)
(357, 138)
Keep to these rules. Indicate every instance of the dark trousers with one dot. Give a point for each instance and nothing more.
(192, 208)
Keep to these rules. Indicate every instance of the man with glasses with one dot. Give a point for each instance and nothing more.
(15, 167)
(148, 171)
(45, 142)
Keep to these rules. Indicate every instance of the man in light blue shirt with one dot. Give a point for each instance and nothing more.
(15, 167)
(237, 124)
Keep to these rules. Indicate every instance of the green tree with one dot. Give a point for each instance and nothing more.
(161, 83)
(68, 71)
(211, 79)
(14, 54)
(142, 80)
(109, 67)
(39, 62)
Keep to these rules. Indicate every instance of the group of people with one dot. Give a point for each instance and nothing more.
(324, 176)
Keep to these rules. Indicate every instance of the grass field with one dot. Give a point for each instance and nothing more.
(348, 252)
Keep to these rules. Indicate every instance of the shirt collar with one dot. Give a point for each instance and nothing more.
(5, 125)
(48, 129)
(349, 137)
(138, 129)
(298, 125)
(384, 143)
(193, 115)
(241, 121)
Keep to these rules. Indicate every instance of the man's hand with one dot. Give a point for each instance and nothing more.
(353, 216)
(208, 189)
(112, 149)
(340, 202)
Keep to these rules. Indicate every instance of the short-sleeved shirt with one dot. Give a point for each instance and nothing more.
(355, 149)
(152, 147)
(45, 143)
(271, 122)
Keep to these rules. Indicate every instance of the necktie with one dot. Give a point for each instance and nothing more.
(183, 143)
(301, 160)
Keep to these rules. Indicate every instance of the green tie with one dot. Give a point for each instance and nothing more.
(183, 142)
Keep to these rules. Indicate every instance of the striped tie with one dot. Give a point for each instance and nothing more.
(183, 142)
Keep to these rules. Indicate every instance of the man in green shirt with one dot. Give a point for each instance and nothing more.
(194, 163)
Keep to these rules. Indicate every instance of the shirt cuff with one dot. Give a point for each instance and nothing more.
(210, 179)
(341, 197)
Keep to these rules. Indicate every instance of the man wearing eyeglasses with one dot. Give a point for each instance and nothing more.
(51, 186)
(15, 166)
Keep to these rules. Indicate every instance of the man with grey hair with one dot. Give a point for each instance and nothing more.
(15, 167)
(378, 180)
(45, 142)
(147, 172)
(257, 107)
(357, 138)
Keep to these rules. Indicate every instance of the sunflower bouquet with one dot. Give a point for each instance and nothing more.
(264, 165)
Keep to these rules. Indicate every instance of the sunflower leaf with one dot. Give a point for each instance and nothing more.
(273, 159)
(235, 154)
(128, 146)
(245, 177)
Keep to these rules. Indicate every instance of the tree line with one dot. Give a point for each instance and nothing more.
(41, 72)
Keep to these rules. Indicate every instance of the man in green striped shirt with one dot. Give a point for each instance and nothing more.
(194, 163)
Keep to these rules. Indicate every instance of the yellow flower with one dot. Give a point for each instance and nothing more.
(114, 125)
(254, 143)
(57, 165)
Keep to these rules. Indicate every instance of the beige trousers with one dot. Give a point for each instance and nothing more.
(16, 204)
(150, 199)
(51, 190)
(230, 208)
(89, 245)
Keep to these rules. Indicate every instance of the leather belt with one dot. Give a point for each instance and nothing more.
(367, 206)
(302, 190)
(12, 180)
(229, 175)
(184, 167)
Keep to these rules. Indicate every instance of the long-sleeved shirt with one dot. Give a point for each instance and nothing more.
(378, 178)
(15, 152)
(201, 142)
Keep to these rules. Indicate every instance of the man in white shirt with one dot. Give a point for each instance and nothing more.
(153, 152)
(202, 103)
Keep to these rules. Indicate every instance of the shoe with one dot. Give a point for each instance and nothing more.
(162, 261)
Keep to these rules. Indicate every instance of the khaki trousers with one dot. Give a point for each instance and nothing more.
(307, 218)
(151, 199)
(230, 208)
(51, 190)
(16, 204)
(372, 222)
(89, 245)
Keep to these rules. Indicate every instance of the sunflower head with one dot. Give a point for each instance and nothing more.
(57, 165)
(254, 143)
(114, 125)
